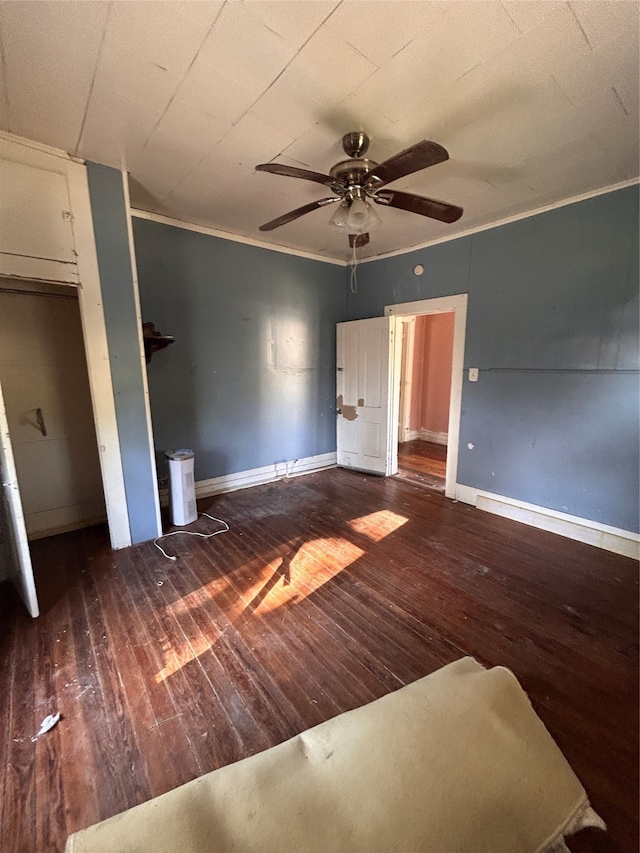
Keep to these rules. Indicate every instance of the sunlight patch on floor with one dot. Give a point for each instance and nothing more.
(271, 586)
(377, 525)
(309, 570)
(175, 659)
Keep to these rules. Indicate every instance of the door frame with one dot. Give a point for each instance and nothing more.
(53, 290)
(442, 305)
(407, 349)
(84, 276)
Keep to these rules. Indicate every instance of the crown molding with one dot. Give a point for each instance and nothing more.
(5, 136)
(227, 235)
(515, 218)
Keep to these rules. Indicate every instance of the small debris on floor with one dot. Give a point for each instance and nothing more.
(47, 724)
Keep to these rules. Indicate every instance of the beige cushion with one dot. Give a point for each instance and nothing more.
(457, 761)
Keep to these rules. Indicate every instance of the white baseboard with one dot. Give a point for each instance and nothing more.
(258, 476)
(63, 519)
(435, 437)
(425, 435)
(68, 528)
(603, 536)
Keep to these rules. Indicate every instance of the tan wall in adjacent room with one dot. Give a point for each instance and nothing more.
(433, 353)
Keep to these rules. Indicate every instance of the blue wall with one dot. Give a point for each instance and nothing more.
(250, 379)
(116, 281)
(553, 326)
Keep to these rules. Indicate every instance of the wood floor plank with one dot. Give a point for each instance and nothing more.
(8, 667)
(154, 752)
(48, 775)
(261, 681)
(183, 689)
(280, 646)
(20, 812)
(73, 735)
(328, 591)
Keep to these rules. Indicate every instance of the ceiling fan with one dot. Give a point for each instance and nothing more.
(358, 181)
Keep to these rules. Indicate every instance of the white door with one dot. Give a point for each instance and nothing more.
(14, 548)
(367, 354)
(48, 407)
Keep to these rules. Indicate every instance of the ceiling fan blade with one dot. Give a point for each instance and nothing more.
(294, 172)
(413, 159)
(294, 214)
(419, 204)
(358, 240)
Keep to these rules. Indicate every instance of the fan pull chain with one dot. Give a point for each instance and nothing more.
(353, 279)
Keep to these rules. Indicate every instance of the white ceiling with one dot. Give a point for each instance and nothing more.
(536, 102)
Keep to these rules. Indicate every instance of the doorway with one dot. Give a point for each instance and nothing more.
(428, 385)
(43, 372)
(425, 392)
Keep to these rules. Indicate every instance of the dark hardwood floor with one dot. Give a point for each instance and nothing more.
(423, 463)
(329, 591)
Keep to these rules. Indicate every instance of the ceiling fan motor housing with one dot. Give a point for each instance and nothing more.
(355, 144)
(352, 172)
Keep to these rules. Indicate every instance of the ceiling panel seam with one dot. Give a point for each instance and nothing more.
(93, 79)
(182, 79)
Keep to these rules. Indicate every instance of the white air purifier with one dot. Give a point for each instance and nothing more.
(182, 490)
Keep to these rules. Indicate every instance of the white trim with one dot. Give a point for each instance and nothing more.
(603, 536)
(97, 352)
(38, 147)
(393, 390)
(143, 363)
(446, 304)
(37, 269)
(67, 528)
(12, 139)
(409, 435)
(407, 352)
(50, 522)
(434, 437)
(506, 221)
(28, 153)
(235, 238)
(42, 287)
(259, 476)
(439, 305)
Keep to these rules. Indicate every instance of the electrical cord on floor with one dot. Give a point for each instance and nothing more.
(191, 533)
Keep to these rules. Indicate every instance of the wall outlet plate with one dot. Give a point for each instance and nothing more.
(473, 374)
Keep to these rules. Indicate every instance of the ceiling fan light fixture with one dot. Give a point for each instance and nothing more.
(374, 218)
(358, 216)
(361, 217)
(339, 218)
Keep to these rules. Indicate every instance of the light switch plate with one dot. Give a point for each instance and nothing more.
(473, 374)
